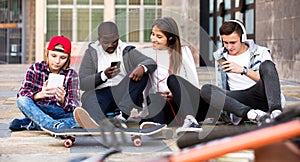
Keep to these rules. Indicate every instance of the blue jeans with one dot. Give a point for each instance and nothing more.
(45, 115)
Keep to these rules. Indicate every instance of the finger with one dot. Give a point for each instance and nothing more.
(137, 78)
(48, 95)
(134, 78)
(132, 75)
(45, 83)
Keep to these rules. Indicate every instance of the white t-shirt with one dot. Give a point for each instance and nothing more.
(238, 81)
(104, 61)
(158, 80)
(160, 75)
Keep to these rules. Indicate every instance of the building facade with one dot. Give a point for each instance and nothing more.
(27, 26)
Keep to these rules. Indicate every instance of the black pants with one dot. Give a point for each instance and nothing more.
(125, 96)
(264, 95)
(186, 101)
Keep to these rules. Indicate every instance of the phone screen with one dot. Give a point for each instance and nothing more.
(221, 60)
(55, 80)
(115, 63)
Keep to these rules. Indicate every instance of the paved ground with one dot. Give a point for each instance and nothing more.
(39, 146)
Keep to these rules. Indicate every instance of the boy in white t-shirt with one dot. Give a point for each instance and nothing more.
(250, 82)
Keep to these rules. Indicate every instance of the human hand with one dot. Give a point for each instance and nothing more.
(232, 67)
(167, 95)
(60, 94)
(111, 71)
(46, 91)
(137, 73)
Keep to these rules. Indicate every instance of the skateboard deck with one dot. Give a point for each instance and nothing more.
(135, 134)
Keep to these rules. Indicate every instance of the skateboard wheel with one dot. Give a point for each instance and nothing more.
(68, 143)
(137, 142)
(133, 137)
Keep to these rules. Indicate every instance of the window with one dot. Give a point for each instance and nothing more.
(223, 10)
(66, 23)
(76, 19)
(135, 17)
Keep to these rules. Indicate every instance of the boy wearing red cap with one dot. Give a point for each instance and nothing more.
(44, 105)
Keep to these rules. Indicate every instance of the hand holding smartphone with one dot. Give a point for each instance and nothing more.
(221, 60)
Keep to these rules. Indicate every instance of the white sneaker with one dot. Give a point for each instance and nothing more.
(275, 113)
(190, 125)
(121, 119)
(255, 115)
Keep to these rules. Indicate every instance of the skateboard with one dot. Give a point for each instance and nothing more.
(83, 118)
(136, 134)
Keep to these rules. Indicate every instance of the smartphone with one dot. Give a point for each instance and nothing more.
(55, 80)
(115, 63)
(221, 60)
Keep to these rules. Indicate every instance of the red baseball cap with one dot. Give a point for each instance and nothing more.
(64, 41)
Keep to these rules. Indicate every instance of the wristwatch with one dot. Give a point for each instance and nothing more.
(245, 70)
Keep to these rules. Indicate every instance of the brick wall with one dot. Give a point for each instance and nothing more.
(278, 28)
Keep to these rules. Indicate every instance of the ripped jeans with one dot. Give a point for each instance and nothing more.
(47, 116)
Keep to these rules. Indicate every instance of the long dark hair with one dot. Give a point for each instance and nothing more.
(168, 27)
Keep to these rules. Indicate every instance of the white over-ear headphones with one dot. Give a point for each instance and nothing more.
(244, 35)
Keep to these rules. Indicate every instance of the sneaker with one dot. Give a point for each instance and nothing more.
(256, 116)
(275, 113)
(120, 117)
(190, 125)
(120, 121)
(33, 126)
(19, 124)
(145, 125)
(59, 126)
(83, 118)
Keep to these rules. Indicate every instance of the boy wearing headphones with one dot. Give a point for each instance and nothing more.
(250, 82)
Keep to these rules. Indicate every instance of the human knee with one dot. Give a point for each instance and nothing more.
(23, 100)
(171, 79)
(206, 89)
(266, 67)
(145, 77)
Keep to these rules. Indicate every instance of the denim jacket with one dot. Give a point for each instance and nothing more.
(258, 54)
